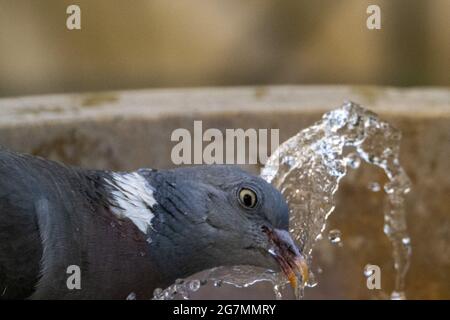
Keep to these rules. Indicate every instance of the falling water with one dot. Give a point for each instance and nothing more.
(307, 170)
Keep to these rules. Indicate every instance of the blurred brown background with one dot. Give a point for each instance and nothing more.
(160, 43)
(198, 43)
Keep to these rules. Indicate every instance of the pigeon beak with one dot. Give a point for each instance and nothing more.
(286, 253)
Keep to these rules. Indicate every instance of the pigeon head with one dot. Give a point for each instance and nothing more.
(209, 216)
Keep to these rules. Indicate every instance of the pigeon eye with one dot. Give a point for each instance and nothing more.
(247, 198)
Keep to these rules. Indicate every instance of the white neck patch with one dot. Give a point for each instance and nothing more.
(133, 197)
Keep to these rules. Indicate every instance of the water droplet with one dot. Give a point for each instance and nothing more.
(335, 236)
(353, 160)
(368, 271)
(387, 229)
(389, 188)
(131, 296)
(173, 290)
(167, 295)
(312, 282)
(149, 240)
(406, 241)
(194, 285)
(374, 186)
(183, 291)
(277, 292)
(157, 292)
(396, 295)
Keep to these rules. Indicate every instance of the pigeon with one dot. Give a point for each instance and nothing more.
(123, 232)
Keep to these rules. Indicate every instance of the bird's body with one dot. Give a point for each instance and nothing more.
(51, 217)
(125, 231)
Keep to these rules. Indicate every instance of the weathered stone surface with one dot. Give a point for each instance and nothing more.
(131, 129)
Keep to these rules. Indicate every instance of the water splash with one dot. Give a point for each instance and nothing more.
(307, 170)
(238, 276)
(321, 162)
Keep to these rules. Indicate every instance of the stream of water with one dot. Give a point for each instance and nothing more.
(307, 169)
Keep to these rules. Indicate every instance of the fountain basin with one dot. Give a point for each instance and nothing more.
(131, 129)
